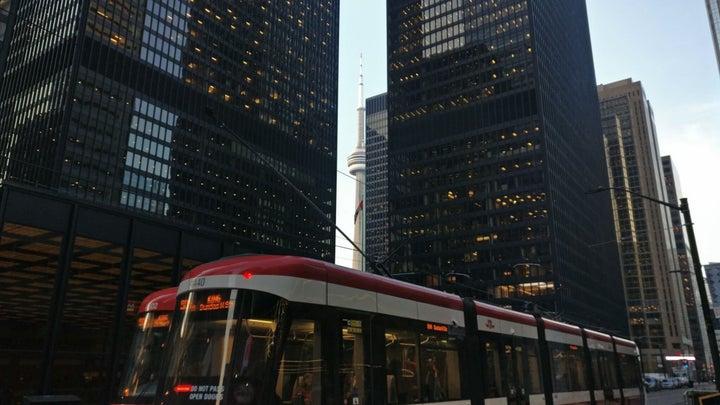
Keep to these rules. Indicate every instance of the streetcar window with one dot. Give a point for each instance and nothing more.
(495, 384)
(300, 372)
(529, 361)
(440, 368)
(217, 330)
(354, 369)
(512, 366)
(403, 372)
(147, 347)
(568, 367)
(630, 370)
(604, 373)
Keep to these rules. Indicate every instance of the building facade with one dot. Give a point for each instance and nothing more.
(376, 220)
(653, 288)
(6, 26)
(712, 279)
(493, 140)
(685, 272)
(712, 274)
(141, 138)
(713, 10)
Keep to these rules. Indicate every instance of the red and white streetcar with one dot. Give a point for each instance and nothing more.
(290, 330)
(139, 380)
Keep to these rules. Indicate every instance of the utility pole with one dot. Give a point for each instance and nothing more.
(708, 314)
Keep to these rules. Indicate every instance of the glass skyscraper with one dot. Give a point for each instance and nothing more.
(173, 108)
(493, 141)
(5, 32)
(137, 140)
(376, 226)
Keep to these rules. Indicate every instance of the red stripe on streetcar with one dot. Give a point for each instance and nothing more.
(591, 334)
(492, 311)
(561, 327)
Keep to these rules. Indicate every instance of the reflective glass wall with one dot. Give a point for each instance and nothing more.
(73, 277)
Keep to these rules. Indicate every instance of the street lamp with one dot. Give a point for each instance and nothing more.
(704, 302)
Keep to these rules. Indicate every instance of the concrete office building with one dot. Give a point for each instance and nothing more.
(654, 295)
(139, 139)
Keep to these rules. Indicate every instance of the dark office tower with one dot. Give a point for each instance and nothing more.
(5, 32)
(376, 122)
(653, 291)
(494, 138)
(178, 109)
(139, 139)
(684, 273)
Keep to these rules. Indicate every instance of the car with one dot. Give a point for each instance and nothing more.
(670, 383)
(651, 384)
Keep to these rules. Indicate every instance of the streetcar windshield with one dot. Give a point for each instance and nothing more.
(224, 343)
(140, 379)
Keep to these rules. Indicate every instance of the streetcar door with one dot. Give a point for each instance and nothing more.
(355, 362)
(512, 369)
(517, 392)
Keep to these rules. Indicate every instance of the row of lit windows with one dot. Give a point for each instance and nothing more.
(474, 221)
(458, 260)
(524, 290)
(478, 145)
(439, 171)
(491, 8)
(437, 7)
(458, 94)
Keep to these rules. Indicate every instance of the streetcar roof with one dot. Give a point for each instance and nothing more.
(314, 281)
(163, 300)
(494, 311)
(598, 341)
(625, 346)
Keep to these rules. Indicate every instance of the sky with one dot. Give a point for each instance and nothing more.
(664, 44)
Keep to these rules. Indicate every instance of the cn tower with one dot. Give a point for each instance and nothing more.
(356, 167)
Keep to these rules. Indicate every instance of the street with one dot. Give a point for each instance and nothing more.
(676, 396)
